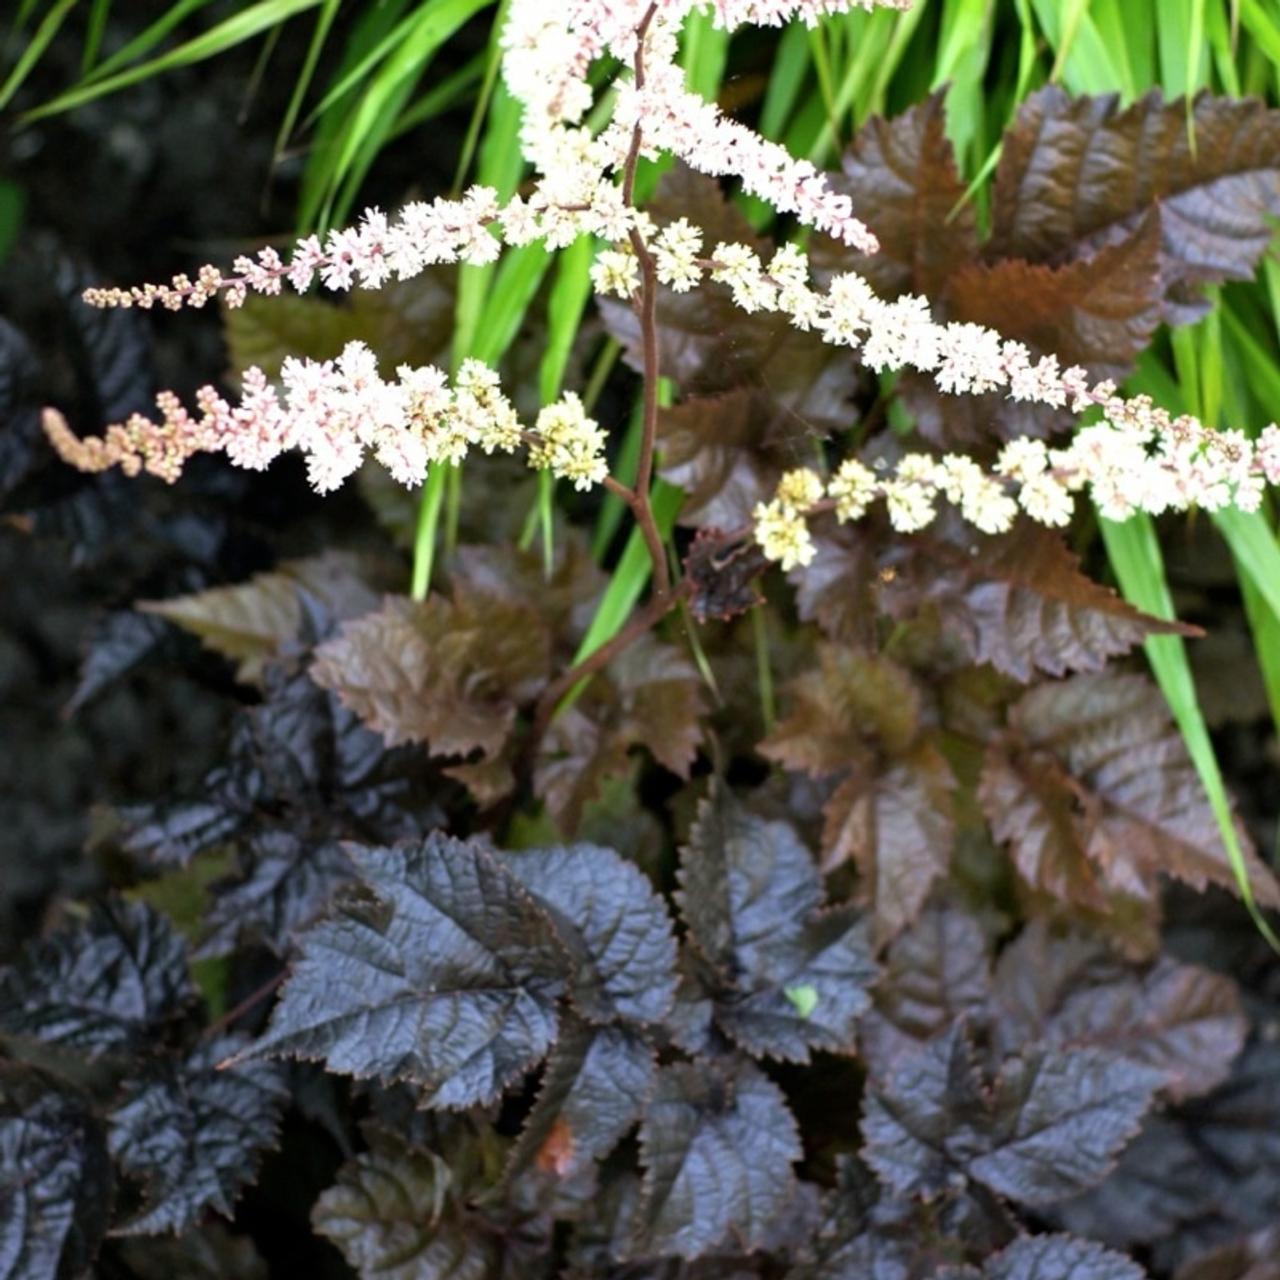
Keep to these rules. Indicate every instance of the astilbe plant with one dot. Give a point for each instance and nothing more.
(969, 1051)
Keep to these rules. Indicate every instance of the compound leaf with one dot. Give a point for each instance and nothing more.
(439, 968)
(106, 986)
(1059, 1258)
(192, 1133)
(752, 899)
(617, 929)
(55, 1180)
(717, 1152)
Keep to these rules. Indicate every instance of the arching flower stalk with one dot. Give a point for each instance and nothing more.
(1137, 457)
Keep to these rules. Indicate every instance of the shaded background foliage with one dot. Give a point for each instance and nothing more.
(898, 988)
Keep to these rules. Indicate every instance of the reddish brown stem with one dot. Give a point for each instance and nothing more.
(250, 1002)
(641, 505)
(648, 617)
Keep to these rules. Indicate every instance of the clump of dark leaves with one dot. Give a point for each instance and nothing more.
(930, 976)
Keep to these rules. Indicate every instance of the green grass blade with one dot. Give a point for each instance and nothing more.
(32, 54)
(386, 94)
(632, 573)
(317, 176)
(319, 35)
(146, 40)
(704, 54)
(786, 79)
(441, 97)
(1135, 556)
(424, 541)
(1253, 544)
(249, 22)
(98, 15)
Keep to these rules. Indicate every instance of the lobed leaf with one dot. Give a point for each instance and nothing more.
(1016, 600)
(302, 762)
(902, 177)
(285, 883)
(649, 696)
(1050, 1126)
(858, 717)
(55, 1179)
(752, 899)
(936, 972)
(192, 1133)
(251, 621)
(594, 1089)
(717, 1151)
(1070, 992)
(1096, 797)
(727, 452)
(615, 926)
(1100, 311)
(1059, 1258)
(1060, 1120)
(389, 1213)
(1079, 173)
(450, 673)
(106, 986)
(439, 969)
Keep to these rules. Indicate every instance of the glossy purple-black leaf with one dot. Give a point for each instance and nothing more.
(192, 1133)
(208, 1252)
(937, 971)
(105, 986)
(788, 976)
(1050, 1126)
(55, 1180)
(438, 968)
(286, 881)
(302, 761)
(1059, 1120)
(618, 931)
(717, 1149)
(1059, 1258)
(594, 1088)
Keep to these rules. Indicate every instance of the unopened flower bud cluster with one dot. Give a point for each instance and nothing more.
(1125, 468)
(335, 412)
(1137, 458)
